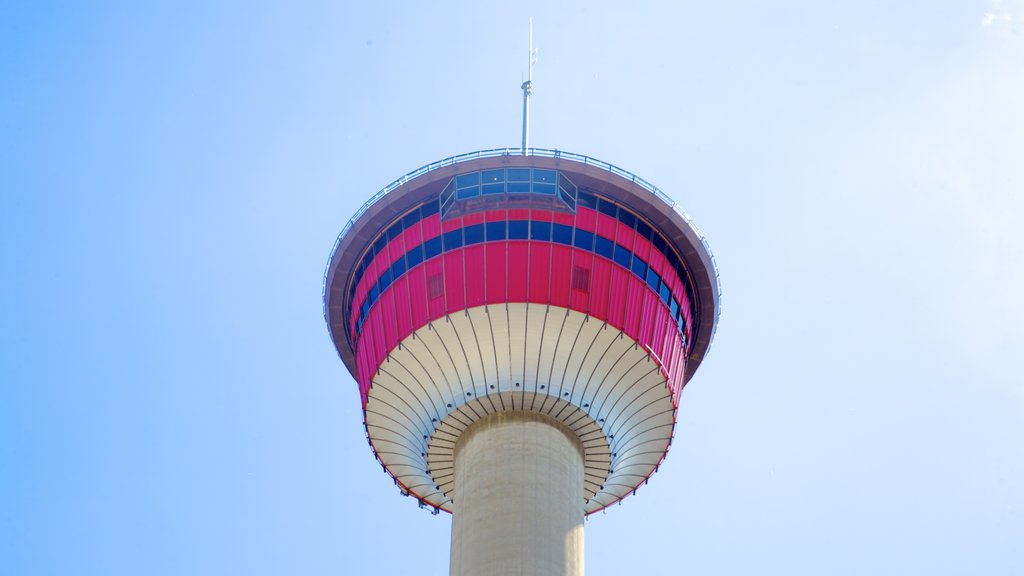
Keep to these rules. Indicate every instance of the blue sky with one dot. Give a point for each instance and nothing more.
(173, 177)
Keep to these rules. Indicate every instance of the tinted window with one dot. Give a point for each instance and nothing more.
(544, 176)
(518, 229)
(653, 279)
(666, 295)
(622, 256)
(467, 180)
(474, 234)
(606, 207)
(604, 246)
(587, 200)
(643, 229)
(452, 240)
(385, 280)
(410, 219)
(398, 268)
(659, 243)
(429, 209)
(496, 230)
(518, 174)
(431, 248)
(640, 268)
(540, 231)
(492, 176)
(627, 218)
(562, 234)
(414, 257)
(584, 239)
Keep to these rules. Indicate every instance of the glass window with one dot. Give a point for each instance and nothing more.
(643, 229)
(465, 193)
(492, 176)
(431, 248)
(607, 208)
(467, 180)
(498, 188)
(584, 239)
(518, 187)
(639, 268)
(379, 244)
(384, 280)
(673, 307)
(622, 256)
(627, 218)
(540, 231)
(604, 246)
(518, 174)
(410, 219)
(452, 240)
(653, 279)
(666, 295)
(495, 230)
(414, 257)
(429, 209)
(373, 295)
(562, 234)
(587, 200)
(518, 229)
(398, 268)
(546, 176)
(659, 244)
(542, 188)
(474, 234)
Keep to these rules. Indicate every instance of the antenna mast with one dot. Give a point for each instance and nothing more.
(527, 90)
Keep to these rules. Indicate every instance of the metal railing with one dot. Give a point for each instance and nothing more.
(544, 152)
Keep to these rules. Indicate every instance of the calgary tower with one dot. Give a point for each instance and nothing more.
(521, 323)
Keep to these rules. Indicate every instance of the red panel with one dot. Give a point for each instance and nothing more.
(495, 215)
(435, 299)
(606, 226)
(617, 291)
(540, 215)
(451, 224)
(659, 340)
(387, 306)
(583, 265)
(471, 219)
(418, 295)
(412, 236)
(647, 314)
(634, 305)
(454, 284)
(475, 283)
(518, 260)
(396, 249)
(624, 235)
(518, 214)
(561, 269)
(403, 306)
(431, 227)
(600, 280)
(586, 219)
(496, 271)
(660, 264)
(642, 248)
(562, 218)
(540, 269)
(376, 327)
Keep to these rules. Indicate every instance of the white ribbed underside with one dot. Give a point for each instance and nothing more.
(533, 357)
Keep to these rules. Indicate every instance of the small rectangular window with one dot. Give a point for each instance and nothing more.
(518, 229)
(603, 246)
(607, 208)
(666, 295)
(658, 242)
(384, 280)
(673, 307)
(474, 234)
(562, 234)
(435, 286)
(410, 219)
(429, 209)
(580, 278)
(627, 218)
(653, 280)
(540, 231)
(495, 230)
(643, 229)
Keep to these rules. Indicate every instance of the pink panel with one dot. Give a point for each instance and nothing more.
(431, 226)
(606, 226)
(562, 218)
(496, 271)
(396, 249)
(518, 214)
(600, 279)
(471, 219)
(435, 288)
(540, 215)
(634, 304)
(518, 259)
(649, 309)
(412, 236)
(451, 224)
(586, 219)
(376, 328)
(659, 341)
(617, 291)
(418, 296)
(660, 264)
(387, 306)
(495, 215)
(642, 248)
(454, 284)
(403, 306)
(581, 281)
(540, 269)
(475, 283)
(624, 235)
(561, 269)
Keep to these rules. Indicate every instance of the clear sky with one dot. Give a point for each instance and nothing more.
(173, 177)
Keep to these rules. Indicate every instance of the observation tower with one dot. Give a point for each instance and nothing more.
(521, 323)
